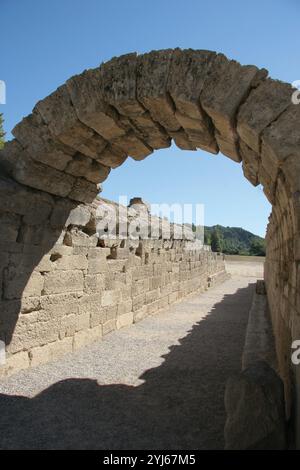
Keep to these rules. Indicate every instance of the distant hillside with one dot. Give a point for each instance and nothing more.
(234, 241)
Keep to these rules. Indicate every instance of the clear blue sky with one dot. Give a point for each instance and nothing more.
(45, 42)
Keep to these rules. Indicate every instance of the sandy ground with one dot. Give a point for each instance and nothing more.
(158, 384)
(249, 266)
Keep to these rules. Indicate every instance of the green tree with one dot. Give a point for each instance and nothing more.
(216, 240)
(257, 247)
(2, 133)
(207, 237)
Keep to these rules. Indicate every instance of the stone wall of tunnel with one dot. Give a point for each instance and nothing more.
(282, 273)
(64, 286)
(135, 104)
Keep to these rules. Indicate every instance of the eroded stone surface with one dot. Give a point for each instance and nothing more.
(263, 106)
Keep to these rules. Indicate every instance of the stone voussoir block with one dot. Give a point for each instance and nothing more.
(59, 114)
(152, 78)
(186, 79)
(83, 190)
(227, 85)
(280, 140)
(36, 138)
(263, 106)
(251, 162)
(119, 77)
(91, 170)
(86, 92)
(39, 176)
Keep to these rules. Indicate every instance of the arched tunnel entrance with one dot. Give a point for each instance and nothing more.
(132, 106)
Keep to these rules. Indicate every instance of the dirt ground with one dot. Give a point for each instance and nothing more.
(249, 266)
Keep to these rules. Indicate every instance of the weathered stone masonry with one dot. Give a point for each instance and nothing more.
(133, 105)
(63, 286)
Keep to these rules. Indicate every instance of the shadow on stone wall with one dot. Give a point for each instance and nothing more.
(32, 223)
(179, 406)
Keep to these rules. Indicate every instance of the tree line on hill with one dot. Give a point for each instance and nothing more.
(233, 241)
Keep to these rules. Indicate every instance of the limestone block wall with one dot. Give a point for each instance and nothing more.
(62, 287)
(282, 275)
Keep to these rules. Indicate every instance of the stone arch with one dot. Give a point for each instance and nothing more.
(135, 104)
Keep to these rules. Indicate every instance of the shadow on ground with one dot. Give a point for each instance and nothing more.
(179, 406)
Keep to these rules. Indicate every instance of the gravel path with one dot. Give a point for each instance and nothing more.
(158, 384)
